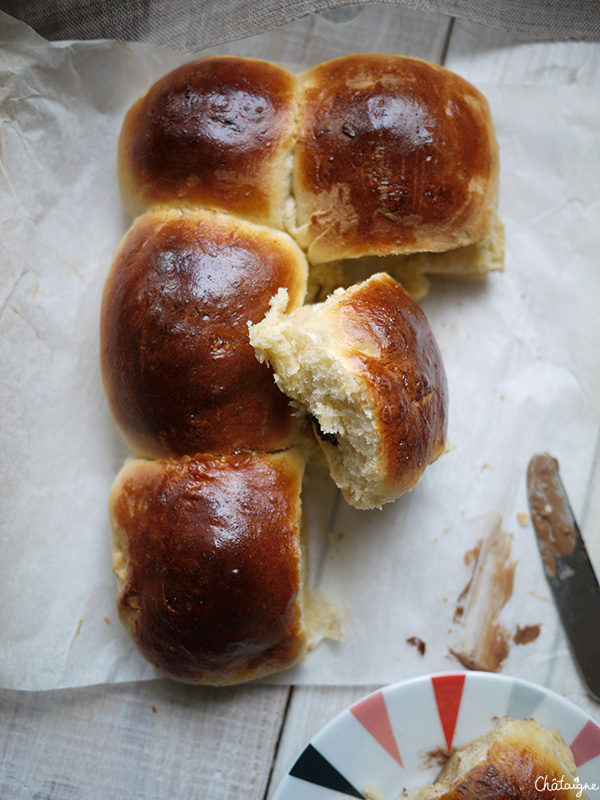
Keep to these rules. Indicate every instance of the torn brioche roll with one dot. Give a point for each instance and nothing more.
(517, 759)
(208, 556)
(179, 374)
(365, 366)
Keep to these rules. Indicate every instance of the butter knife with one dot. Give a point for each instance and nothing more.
(566, 565)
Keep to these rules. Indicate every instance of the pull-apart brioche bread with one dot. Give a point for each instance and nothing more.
(240, 174)
(517, 759)
(396, 156)
(179, 373)
(365, 366)
(208, 557)
(214, 133)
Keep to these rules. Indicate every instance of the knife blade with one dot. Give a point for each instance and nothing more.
(567, 566)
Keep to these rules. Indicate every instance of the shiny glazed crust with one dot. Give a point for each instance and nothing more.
(214, 133)
(517, 759)
(394, 155)
(207, 555)
(179, 373)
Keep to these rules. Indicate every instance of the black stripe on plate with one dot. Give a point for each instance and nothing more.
(312, 767)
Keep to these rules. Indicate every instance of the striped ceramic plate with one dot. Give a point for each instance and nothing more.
(392, 739)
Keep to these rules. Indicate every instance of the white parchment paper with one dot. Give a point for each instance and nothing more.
(521, 351)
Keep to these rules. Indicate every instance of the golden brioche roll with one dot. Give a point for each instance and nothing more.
(207, 555)
(517, 759)
(364, 364)
(413, 271)
(179, 373)
(216, 133)
(394, 156)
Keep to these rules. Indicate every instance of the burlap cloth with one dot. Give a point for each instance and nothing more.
(194, 24)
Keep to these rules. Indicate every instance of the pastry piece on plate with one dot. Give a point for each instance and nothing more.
(365, 366)
(517, 760)
(214, 133)
(208, 556)
(396, 157)
(179, 373)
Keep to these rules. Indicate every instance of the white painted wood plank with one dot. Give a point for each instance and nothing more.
(151, 741)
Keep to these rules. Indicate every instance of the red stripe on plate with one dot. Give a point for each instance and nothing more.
(373, 715)
(448, 691)
(586, 744)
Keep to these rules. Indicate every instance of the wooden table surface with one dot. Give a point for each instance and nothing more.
(161, 740)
